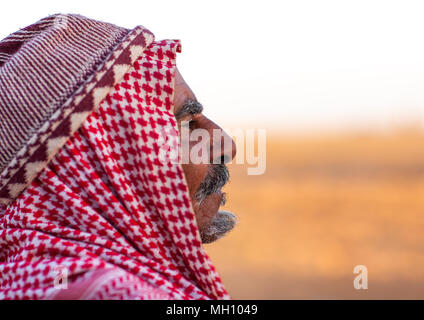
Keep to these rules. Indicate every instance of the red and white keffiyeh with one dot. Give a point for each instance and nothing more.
(106, 212)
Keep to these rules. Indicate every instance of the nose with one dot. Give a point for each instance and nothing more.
(222, 145)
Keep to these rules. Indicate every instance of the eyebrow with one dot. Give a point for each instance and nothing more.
(189, 107)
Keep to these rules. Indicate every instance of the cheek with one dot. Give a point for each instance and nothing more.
(195, 174)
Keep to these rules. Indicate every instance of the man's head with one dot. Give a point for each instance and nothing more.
(205, 180)
(90, 184)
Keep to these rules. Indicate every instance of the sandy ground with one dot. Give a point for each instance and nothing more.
(325, 205)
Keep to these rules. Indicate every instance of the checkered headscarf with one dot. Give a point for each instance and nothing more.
(106, 218)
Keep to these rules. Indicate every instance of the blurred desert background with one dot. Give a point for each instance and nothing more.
(339, 87)
(326, 204)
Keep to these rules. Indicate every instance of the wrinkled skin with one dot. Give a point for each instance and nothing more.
(195, 173)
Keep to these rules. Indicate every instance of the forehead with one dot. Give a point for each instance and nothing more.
(182, 92)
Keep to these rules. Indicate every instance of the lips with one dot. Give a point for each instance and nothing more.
(223, 198)
(209, 208)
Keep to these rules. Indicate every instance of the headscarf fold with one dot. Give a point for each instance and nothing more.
(106, 218)
(53, 74)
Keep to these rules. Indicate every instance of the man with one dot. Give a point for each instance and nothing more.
(90, 210)
(205, 180)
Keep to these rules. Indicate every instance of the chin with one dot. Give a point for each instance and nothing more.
(221, 225)
(214, 223)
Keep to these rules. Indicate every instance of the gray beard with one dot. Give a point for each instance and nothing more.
(222, 223)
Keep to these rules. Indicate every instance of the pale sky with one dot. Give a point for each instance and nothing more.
(292, 65)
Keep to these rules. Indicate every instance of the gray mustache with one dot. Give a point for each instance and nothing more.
(215, 179)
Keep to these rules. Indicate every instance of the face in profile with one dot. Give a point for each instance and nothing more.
(205, 180)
